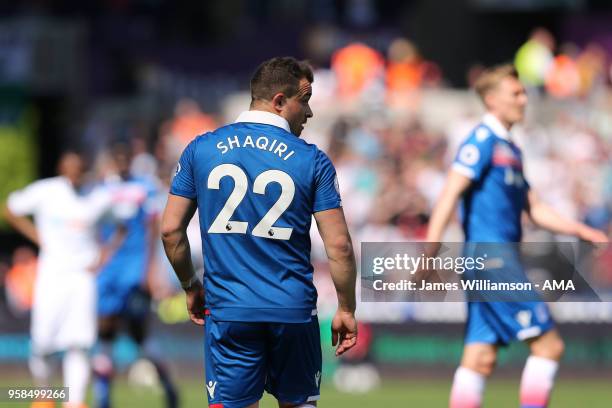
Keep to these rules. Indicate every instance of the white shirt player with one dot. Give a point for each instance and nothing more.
(64, 310)
(65, 223)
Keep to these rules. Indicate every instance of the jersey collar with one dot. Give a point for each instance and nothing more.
(266, 118)
(496, 126)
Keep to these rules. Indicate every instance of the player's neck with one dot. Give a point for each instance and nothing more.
(75, 185)
(263, 107)
(507, 125)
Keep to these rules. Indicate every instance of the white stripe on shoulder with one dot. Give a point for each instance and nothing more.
(482, 133)
(464, 170)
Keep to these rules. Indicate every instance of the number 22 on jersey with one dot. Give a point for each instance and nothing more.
(264, 228)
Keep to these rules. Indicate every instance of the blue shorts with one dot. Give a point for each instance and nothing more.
(119, 287)
(243, 359)
(129, 301)
(502, 322)
(499, 317)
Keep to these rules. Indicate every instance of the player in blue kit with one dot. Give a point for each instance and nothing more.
(257, 185)
(487, 176)
(123, 290)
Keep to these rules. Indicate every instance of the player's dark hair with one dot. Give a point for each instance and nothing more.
(73, 150)
(491, 77)
(279, 74)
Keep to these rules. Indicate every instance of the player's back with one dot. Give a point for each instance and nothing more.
(257, 186)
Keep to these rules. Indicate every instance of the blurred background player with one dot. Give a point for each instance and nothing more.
(64, 313)
(487, 176)
(124, 282)
(256, 185)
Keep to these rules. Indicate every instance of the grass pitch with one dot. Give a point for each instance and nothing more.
(410, 393)
(426, 393)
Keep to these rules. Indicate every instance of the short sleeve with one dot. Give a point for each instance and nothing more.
(327, 192)
(474, 156)
(183, 183)
(26, 201)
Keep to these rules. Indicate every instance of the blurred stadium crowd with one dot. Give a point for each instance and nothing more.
(391, 126)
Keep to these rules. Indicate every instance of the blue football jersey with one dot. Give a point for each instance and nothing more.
(491, 208)
(127, 266)
(257, 186)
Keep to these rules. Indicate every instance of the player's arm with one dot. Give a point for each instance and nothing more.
(22, 203)
(153, 231)
(470, 164)
(177, 214)
(108, 248)
(456, 185)
(22, 224)
(339, 248)
(545, 216)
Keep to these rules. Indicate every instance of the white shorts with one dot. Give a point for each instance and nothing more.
(64, 312)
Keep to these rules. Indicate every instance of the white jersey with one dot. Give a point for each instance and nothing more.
(65, 223)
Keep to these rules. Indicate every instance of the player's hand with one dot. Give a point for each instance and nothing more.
(429, 250)
(592, 235)
(103, 258)
(344, 331)
(195, 303)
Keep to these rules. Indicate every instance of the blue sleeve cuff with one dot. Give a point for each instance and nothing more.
(327, 205)
(183, 193)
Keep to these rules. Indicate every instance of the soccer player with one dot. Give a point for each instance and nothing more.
(63, 312)
(487, 176)
(256, 185)
(123, 292)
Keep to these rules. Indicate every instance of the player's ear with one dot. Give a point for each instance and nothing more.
(279, 100)
(489, 99)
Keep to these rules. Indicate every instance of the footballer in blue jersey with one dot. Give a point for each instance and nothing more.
(123, 292)
(126, 271)
(487, 177)
(494, 164)
(256, 186)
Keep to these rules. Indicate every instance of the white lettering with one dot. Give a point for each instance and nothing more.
(263, 145)
(248, 141)
(233, 141)
(559, 285)
(280, 149)
(272, 145)
(377, 265)
(222, 147)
